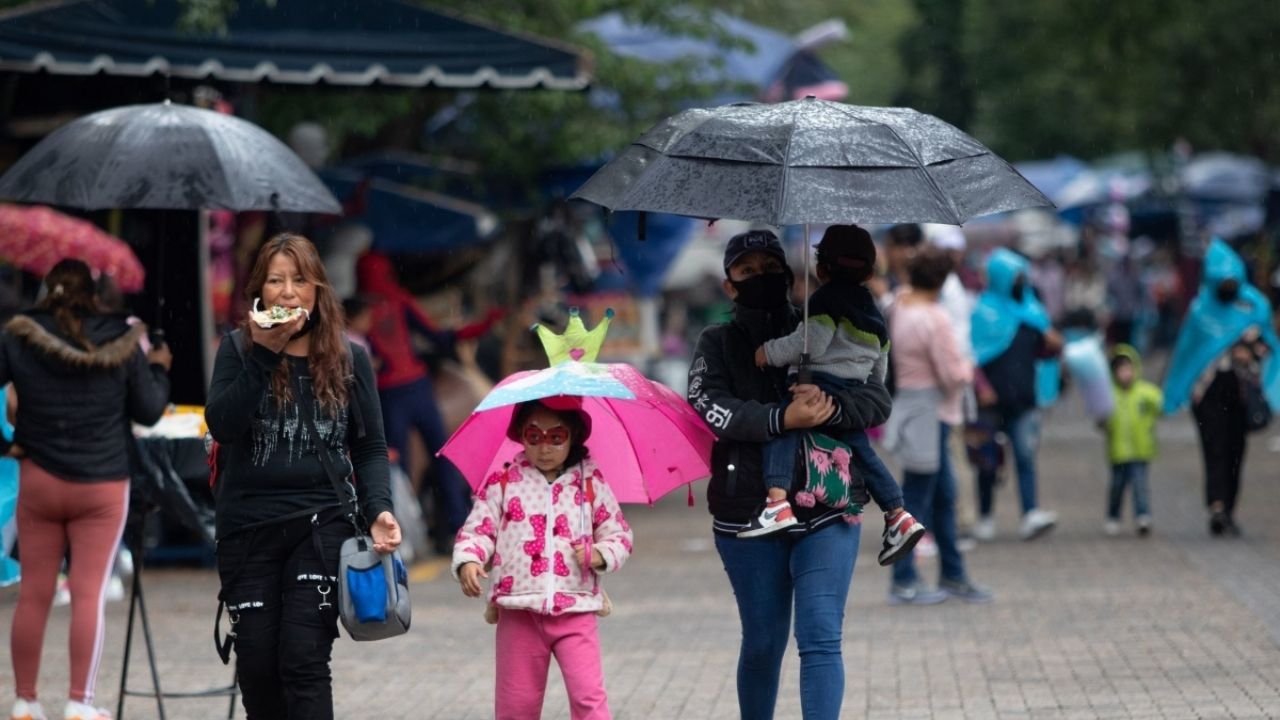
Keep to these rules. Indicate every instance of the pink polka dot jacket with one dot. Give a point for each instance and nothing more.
(526, 530)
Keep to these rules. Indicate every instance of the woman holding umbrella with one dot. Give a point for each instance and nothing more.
(809, 566)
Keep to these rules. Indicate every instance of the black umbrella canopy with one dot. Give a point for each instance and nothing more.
(165, 156)
(810, 161)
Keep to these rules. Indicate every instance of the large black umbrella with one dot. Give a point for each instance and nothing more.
(165, 156)
(810, 161)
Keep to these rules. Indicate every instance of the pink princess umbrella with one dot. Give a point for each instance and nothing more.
(645, 438)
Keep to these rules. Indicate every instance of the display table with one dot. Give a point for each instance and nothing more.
(171, 503)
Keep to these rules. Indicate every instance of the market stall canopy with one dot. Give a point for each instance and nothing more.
(338, 42)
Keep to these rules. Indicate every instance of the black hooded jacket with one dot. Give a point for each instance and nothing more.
(741, 403)
(75, 405)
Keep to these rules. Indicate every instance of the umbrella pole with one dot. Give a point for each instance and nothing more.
(160, 272)
(806, 375)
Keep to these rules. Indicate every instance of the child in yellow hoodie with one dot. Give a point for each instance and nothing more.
(1131, 438)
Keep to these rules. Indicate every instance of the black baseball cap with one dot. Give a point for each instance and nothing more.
(847, 246)
(752, 241)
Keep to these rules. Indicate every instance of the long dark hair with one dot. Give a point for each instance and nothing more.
(327, 357)
(71, 298)
(572, 419)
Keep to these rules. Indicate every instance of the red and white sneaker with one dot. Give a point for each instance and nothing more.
(776, 516)
(900, 535)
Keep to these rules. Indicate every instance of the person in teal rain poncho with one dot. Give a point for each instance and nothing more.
(1015, 347)
(1225, 353)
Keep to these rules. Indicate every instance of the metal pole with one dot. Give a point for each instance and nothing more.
(128, 639)
(805, 375)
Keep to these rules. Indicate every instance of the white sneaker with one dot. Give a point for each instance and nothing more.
(985, 529)
(1111, 528)
(80, 711)
(115, 589)
(26, 710)
(124, 561)
(62, 597)
(1036, 523)
(1144, 525)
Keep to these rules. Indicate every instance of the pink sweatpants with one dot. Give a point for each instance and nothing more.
(525, 643)
(52, 514)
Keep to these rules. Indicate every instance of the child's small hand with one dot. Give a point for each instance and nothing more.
(762, 360)
(597, 560)
(470, 575)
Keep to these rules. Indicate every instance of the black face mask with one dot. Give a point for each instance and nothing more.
(763, 292)
(1019, 289)
(1228, 291)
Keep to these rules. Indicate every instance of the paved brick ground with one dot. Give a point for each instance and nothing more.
(1176, 626)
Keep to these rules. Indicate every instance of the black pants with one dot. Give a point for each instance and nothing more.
(1220, 415)
(283, 602)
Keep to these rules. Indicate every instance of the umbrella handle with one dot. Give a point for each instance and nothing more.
(804, 375)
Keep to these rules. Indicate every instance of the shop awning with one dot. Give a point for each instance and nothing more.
(338, 42)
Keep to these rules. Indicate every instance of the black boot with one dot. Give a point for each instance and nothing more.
(1231, 529)
(1218, 522)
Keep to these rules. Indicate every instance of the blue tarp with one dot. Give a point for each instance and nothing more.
(405, 219)
(766, 59)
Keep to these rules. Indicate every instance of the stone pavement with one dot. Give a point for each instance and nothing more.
(1177, 626)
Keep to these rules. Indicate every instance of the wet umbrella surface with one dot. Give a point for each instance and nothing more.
(165, 156)
(810, 161)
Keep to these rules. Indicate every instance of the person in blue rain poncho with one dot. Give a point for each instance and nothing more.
(1224, 358)
(1015, 346)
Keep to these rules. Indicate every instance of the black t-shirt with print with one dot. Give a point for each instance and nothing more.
(272, 472)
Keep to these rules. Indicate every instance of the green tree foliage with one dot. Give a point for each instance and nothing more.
(934, 64)
(1092, 77)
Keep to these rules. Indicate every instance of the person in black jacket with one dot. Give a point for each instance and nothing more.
(81, 378)
(279, 520)
(808, 566)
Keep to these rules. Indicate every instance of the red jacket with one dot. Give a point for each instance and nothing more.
(395, 316)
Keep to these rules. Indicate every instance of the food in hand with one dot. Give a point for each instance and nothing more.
(275, 315)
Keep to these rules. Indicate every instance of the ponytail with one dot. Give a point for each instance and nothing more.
(71, 298)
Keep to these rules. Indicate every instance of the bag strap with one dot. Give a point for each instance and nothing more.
(304, 402)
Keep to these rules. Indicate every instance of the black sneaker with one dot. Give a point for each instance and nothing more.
(1218, 523)
(965, 590)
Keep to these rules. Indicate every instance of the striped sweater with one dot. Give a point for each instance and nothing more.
(848, 337)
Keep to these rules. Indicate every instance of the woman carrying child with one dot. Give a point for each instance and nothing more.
(546, 527)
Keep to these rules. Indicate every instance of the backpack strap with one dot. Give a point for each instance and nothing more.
(214, 457)
(357, 414)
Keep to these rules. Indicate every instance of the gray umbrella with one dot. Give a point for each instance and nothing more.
(165, 156)
(810, 161)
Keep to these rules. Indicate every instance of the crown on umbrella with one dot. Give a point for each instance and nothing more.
(576, 342)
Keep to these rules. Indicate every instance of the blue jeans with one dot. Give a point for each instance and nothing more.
(769, 575)
(1023, 430)
(780, 454)
(1125, 475)
(931, 498)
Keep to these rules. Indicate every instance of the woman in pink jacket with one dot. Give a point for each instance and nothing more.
(545, 527)
(931, 372)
